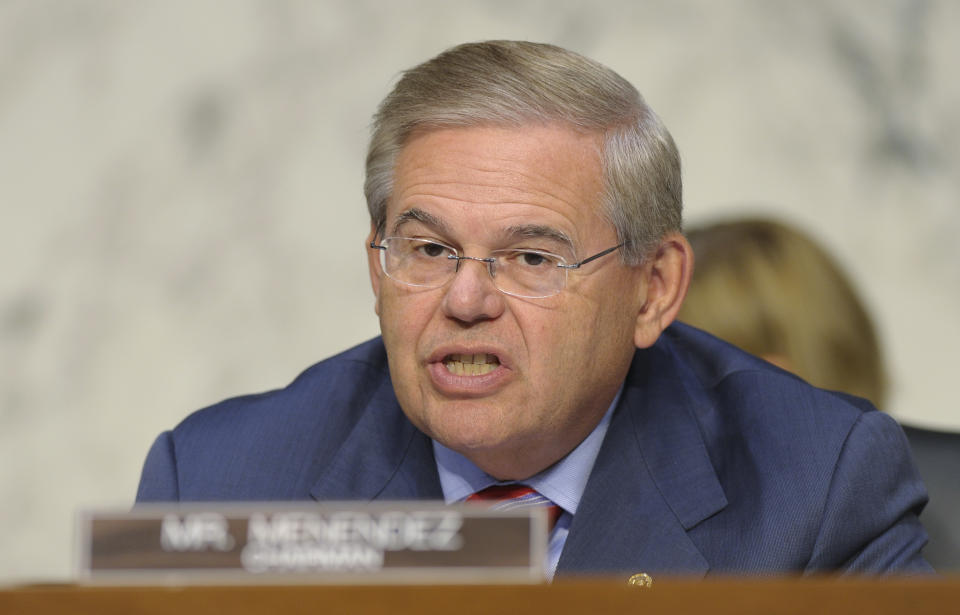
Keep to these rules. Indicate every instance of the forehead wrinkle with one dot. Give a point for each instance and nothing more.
(504, 167)
(530, 185)
(504, 180)
(537, 173)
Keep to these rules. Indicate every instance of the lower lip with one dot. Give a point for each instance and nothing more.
(467, 386)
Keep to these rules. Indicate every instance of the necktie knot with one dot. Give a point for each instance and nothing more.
(508, 497)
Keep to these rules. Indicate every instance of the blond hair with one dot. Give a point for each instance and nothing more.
(774, 292)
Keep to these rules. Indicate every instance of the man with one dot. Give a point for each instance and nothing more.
(526, 256)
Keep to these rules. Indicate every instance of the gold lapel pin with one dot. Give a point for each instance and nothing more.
(641, 579)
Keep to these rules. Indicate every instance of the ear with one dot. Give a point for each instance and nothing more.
(667, 275)
(373, 265)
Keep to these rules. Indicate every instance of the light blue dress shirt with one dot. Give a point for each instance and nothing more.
(563, 482)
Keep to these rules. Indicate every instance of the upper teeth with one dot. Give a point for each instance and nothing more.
(471, 364)
(473, 358)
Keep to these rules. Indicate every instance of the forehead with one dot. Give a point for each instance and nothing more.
(496, 176)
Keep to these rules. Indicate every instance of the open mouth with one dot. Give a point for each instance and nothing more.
(471, 364)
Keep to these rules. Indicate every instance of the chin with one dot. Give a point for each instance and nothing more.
(470, 426)
(468, 441)
(471, 440)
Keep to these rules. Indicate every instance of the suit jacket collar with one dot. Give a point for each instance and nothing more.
(384, 458)
(653, 479)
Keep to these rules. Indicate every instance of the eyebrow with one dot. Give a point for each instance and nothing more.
(418, 215)
(539, 231)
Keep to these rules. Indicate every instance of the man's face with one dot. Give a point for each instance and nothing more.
(553, 364)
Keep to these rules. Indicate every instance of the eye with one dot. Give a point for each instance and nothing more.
(430, 249)
(534, 260)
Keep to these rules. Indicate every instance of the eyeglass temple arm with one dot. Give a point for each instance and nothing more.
(591, 258)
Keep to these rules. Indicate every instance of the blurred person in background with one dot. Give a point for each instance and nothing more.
(774, 292)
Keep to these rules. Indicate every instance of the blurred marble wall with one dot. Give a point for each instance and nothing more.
(181, 216)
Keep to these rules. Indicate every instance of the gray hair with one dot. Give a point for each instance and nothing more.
(512, 83)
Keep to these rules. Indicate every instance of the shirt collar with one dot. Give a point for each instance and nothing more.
(563, 482)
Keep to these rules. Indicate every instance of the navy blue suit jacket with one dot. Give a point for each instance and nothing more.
(714, 461)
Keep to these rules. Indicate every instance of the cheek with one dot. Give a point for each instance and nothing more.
(401, 330)
(597, 335)
(404, 316)
(556, 342)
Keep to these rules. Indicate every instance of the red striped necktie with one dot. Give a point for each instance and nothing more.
(506, 497)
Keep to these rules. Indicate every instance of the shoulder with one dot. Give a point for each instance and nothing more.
(819, 478)
(748, 393)
(341, 381)
(749, 407)
(754, 419)
(272, 444)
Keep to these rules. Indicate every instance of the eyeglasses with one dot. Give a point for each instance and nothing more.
(426, 263)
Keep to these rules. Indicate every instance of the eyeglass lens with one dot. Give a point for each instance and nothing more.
(523, 273)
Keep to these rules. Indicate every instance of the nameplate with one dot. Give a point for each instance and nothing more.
(319, 543)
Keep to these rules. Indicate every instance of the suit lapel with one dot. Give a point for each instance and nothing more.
(384, 458)
(652, 480)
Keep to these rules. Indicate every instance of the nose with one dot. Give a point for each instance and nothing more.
(471, 296)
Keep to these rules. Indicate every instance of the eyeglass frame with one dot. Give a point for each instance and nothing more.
(490, 262)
